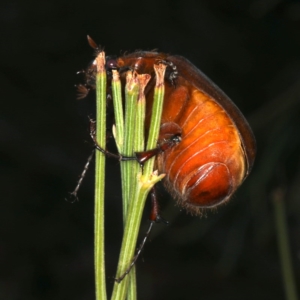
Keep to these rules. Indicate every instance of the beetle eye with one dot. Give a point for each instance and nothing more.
(111, 64)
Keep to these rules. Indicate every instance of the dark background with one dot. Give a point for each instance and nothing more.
(251, 49)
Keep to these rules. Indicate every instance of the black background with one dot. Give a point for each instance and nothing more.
(251, 49)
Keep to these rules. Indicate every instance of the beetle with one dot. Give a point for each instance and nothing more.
(217, 147)
(206, 147)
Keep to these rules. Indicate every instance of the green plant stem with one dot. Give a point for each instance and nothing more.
(139, 145)
(128, 168)
(130, 235)
(156, 114)
(139, 128)
(100, 280)
(283, 244)
(125, 145)
(136, 205)
(131, 96)
(132, 288)
(118, 130)
(128, 245)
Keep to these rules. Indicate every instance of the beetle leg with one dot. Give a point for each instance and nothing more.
(154, 218)
(173, 74)
(154, 214)
(140, 157)
(104, 151)
(143, 156)
(75, 192)
(119, 279)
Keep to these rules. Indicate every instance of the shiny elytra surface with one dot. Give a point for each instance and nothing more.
(217, 147)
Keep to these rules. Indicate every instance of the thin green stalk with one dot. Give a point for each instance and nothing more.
(139, 145)
(132, 288)
(118, 129)
(126, 144)
(156, 114)
(100, 281)
(283, 244)
(135, 212)
(118, 132)
(139, 136)
(131, 96)
(144, 183)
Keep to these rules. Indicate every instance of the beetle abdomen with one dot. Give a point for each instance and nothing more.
(208, 165)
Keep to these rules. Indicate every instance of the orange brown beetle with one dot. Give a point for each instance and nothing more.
(206, 148)
(217, 147)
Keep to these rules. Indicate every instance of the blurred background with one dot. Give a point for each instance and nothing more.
(251, 49)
